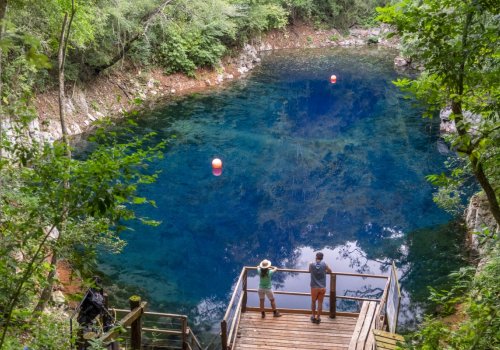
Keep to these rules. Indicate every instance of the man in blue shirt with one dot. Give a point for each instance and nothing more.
(318, 270)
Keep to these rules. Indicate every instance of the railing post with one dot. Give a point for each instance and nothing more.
(136, 326)
(223, 334)
(184, 333)
(333, 295)
(245, 284)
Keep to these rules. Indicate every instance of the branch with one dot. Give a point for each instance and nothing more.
(146, 20)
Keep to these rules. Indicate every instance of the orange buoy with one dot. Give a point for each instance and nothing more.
(333, 79)
(216, 163)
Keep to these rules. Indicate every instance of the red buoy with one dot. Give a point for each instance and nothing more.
(216, 167)
(217, 163)
(333, 79)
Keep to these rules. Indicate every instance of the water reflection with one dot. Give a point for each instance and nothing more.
(307, 166)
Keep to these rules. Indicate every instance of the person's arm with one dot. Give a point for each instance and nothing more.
(328, 269)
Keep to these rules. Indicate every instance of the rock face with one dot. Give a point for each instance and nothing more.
(117, 92)
(478, 218)
(448, 126)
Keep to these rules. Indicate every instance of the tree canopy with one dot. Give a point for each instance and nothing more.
(457, 42)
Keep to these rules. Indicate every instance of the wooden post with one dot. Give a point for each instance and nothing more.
(223, 334)
(333, 295)
(184, 333)
(136, 326)
(245, 284)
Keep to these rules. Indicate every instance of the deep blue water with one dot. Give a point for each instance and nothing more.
(308, 166)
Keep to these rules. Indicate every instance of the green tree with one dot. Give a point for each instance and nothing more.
(89, 213)
(457, 43)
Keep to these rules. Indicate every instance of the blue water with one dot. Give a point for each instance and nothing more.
(308, 166)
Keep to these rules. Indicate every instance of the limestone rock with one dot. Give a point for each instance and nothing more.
(58, 297)
(400, 61)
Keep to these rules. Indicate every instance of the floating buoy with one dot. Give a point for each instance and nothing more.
(216, 167)
(217, 171)
(216, 163)
(333, 79)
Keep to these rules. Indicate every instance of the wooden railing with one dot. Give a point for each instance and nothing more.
(178, 335)
(239, 298)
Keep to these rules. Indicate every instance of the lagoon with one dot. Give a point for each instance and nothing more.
(308, 166)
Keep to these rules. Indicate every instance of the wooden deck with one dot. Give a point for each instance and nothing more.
(293, 331)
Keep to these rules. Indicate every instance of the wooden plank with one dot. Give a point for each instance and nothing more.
(304, 319)
(384, 334)
(367, 326)
(290, 346)
(306, 327)
(302, 311)
(386, 340)
(289, 318)
(252, 333)
(359, 326)
(296, 341)
(162, 331)
(124, 322)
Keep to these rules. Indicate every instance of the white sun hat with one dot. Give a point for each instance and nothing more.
(265, 264)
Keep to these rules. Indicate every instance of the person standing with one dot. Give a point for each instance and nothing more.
(318, 271)
(265, 271)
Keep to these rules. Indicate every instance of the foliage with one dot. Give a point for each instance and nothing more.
(457, 42)
(478, 297)
(42, 216)
(186, 34)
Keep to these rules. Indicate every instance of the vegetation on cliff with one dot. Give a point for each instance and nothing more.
(457, 43)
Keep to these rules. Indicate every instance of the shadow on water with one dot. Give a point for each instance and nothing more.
(308, 165)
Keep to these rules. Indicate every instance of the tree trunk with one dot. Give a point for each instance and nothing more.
(3, 12)
(47, 291)
(456, 107)
(60, 61)
(477, 167)
(146, 20)
(487, 188)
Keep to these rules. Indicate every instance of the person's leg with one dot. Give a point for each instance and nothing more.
(270, 295)
(321, 296)
(262, 295)
(314, 297)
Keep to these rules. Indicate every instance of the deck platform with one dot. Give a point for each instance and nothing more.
(243, 328)
(293, 331)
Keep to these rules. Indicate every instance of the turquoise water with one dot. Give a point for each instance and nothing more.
(308, 166)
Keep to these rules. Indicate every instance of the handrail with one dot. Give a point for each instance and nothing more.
(230, 305)
(188, 337)
(309, 294)
(348, 274)
(232, 322)
(381, 307)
